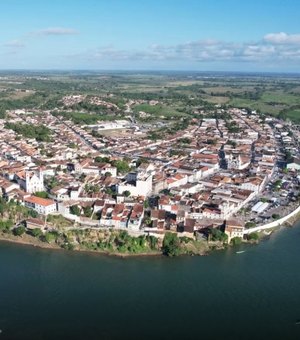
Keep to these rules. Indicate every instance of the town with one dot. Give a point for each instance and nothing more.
(219, 175)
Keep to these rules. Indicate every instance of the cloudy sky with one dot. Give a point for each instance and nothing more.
(202, 35)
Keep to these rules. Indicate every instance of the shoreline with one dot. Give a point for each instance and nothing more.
(33, 242)
(30, 241)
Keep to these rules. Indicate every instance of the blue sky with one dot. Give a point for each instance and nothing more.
(200, 35)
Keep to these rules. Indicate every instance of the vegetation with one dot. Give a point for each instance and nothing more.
(41, 194)
(19, 231)
(236, 241)
(83, 118)
(171, 244)
(216, 234)
(40, 132)
(250, 225)
(75, 210)
(253, 236)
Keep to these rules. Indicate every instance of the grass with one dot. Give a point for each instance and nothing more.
(280, 97)
(58, 221)
(159, 110)
(294, 115)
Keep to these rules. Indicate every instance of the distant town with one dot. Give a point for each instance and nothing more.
(222, 175)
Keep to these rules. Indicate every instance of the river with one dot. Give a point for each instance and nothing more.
(48, 294)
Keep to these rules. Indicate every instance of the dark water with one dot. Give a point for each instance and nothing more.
(63, 295)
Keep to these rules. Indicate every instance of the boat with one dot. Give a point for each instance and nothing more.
(297, 322)
(240, 252)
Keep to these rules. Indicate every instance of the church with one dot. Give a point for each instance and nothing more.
(30, 180)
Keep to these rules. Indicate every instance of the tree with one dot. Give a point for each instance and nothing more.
(87, 211)
(75, 210)
(50, 236)
(153, 241)
(99, 159)
(19, 231)
(121, 165)
(126, 193)
(275, 216)
(253, 236)
(146, 204)
(36, 232)
(217, 235)
(41, 194)
(250, 225)
(171, 244)
(236, 241)
(32, 213)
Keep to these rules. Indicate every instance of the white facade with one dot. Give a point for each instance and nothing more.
(41, 205)
(32, 182)
(142, 186)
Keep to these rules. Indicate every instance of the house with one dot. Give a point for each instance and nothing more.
(34, 223)
(158, 217)
(234, 228)
(294, 164)
(88, 167)
(136, 217)
(43, 206)
(7, 186)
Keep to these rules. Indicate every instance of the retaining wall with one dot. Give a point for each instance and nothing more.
(274, 224)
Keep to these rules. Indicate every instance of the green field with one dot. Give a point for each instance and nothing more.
(179, 94)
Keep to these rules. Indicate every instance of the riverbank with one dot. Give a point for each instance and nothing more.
(94, 245)
(91, 241)
(289, 219)
(31, 241)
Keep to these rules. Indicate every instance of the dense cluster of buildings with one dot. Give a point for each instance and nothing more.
(199, 177)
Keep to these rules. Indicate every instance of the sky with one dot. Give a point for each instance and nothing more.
(194, 35)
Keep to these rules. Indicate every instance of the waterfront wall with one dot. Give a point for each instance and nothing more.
(274, 224)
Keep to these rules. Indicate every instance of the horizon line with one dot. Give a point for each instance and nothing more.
(145, 71)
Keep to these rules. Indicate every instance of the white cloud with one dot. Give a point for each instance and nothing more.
(14, 44)
(282, 38)
(55, 31)
(273, 47)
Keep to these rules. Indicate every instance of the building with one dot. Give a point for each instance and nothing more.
(234, 229)
(294, 164)
(43, 206)
(137, 183)
(30, 181)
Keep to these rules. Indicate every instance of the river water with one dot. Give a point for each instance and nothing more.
(46, 294)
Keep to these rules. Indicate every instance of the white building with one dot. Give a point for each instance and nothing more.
(138, 184)
(43, 206)
(30, 181)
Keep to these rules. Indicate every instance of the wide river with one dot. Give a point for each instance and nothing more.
(47, 294)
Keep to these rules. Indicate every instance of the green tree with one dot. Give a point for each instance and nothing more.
(121, 165)
(126, 193)
(253, 236)
(171, 244)
(41, 194)
(87, 211)
(236, 241)
(33, 213)
(250, 225)
(75, 210)
(217, 235)
(19, 231)
(36, 232)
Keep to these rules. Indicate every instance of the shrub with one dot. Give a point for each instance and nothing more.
(236, 241)
(19, 231)
(171, 244)
(253, 236)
